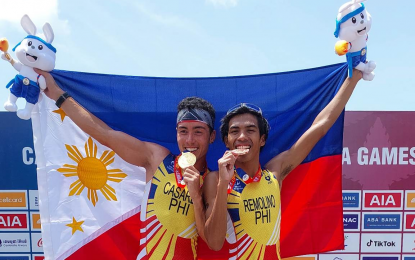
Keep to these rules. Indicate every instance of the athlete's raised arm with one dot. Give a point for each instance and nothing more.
(282, 164)
(144, 154)
(215, 196)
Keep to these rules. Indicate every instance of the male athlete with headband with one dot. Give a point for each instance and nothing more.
(242, 181)
(177, 204)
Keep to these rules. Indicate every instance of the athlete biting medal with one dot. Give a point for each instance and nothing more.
(186, 159)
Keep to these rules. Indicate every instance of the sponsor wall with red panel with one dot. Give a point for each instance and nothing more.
(19, 201)
(378, 189)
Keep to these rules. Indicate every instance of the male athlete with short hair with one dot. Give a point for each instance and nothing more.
(175, 206)
(242, 181)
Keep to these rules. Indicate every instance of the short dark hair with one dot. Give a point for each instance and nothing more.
(198, 103)
(263, 124)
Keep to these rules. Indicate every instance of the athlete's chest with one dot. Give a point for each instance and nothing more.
(254, 208)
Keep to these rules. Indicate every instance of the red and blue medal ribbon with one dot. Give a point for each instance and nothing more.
(256, 178)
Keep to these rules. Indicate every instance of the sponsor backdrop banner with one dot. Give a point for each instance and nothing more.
(378, 189)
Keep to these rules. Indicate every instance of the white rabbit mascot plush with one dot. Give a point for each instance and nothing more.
(31, 52)
(352, 25)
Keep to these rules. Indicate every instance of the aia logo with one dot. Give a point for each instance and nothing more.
(40, 243)
(383, 200)
(13, 221)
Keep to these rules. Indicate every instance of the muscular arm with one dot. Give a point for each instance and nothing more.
(130, 149)
(284, 163)
(191, 177)
(200, 217)
(215, 196)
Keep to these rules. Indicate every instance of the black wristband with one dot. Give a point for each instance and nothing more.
(62, 99)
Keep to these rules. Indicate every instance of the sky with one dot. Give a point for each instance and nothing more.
(210, 38)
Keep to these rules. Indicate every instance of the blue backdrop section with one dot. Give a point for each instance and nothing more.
(146, 107)
(17, 156)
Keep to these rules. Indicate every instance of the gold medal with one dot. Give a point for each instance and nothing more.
(186, 160)
(26, 81)
(240, 151)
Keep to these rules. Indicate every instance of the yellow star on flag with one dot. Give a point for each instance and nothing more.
(60, 112)
(75, 225)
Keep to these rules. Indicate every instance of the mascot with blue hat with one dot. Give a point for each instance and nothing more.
(352, 25)
(32, 52)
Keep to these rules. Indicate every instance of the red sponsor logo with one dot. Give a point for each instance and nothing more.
(383, 200)
(39, 258)
(40, 243)
(13, 221)
(410, 221)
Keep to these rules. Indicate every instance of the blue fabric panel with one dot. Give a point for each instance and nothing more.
(146, 107)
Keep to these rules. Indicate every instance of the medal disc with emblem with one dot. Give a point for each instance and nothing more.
(26, 81)
(186, 160)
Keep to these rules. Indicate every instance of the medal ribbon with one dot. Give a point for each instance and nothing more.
(256, 178)
(179, 175)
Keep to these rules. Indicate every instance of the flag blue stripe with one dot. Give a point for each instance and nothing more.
(145, 107)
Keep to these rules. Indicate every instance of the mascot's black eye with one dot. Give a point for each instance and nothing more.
(353, 20)
(40, 47)
(361, 15)
(29, 43)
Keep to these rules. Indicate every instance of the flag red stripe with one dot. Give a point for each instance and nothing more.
(312, 210)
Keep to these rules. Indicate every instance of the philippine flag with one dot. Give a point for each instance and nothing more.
(91, 199)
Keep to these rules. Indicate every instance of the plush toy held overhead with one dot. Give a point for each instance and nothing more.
(31, 52)
(352, 25)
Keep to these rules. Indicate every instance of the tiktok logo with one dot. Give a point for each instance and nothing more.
(381, 243)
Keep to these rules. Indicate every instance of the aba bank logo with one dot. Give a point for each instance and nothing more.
(13, 221)
(382, 200)
(381, 221)
(351, 199)
(351, 221)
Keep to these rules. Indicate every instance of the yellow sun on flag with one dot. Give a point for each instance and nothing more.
(92, 172)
